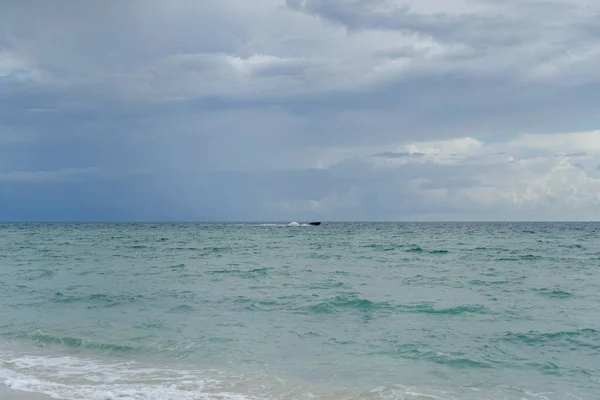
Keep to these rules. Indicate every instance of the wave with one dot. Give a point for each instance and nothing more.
(348, 303)
(97, 299)
(479, 282)
(383, 247)
(572, 246)
(428, 308)
(415, 249)
(252, 273)
(34, 274)
(72, 343)
(184, 308)
(524, 257)
(412, 248)
(418, 249)
(422, 352)
(258, 305)
(326, 285)
(438, 251)
(553, 293)
(217, 250)
(74, 378)
(584, 337)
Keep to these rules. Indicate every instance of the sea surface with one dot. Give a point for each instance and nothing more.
(428, 311)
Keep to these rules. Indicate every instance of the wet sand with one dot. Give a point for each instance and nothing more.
(9, 394)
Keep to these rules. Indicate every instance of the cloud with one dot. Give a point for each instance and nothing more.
(472, 180)
(391, 154)
(13, 69)
(372, 109)
(535, 40)
(61, 175)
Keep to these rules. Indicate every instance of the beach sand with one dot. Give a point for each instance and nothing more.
(9, 394)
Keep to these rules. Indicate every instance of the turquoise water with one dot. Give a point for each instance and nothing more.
(340, 311)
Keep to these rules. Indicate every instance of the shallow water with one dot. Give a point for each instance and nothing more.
(360, 310)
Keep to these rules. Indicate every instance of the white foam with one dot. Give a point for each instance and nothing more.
(291, 224)
(70, 378)
(76, 378)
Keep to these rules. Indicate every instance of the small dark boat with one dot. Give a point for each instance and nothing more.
(314, 223)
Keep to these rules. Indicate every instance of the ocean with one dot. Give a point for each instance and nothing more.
(236, 311)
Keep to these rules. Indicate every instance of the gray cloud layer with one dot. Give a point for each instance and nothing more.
(273, 109)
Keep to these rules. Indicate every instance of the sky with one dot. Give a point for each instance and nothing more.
(296, 110)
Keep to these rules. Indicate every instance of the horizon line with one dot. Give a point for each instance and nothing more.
(273, 221)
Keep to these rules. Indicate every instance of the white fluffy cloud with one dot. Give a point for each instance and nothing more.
(533, 176)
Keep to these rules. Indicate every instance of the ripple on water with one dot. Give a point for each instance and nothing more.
(524, 257)
(347, 303)
(423, 352)
(429, 308)
(580, 337)
(96, 300)
(553, 293)
(478, 282)
(35, 274)
(251, 273)
(184, 308)
(74, 343)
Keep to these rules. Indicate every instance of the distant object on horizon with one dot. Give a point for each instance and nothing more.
(297, 224)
